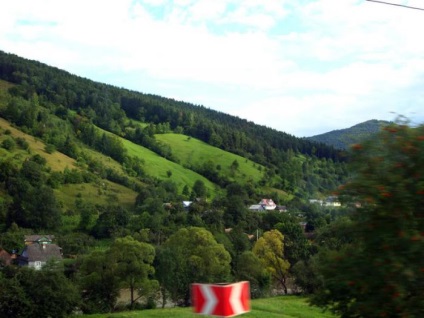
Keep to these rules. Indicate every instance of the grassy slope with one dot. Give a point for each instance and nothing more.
(193, 152)
(56, 161)
(189, 151)
(157, 166)
(281, 307)
(102, 192)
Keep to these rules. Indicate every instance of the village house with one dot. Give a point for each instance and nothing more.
(39, 249)
(263, 205)
(268, 204)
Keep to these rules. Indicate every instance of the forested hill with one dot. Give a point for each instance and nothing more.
(109, 107)
(343, 138)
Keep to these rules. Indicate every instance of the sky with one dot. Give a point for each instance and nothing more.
(302, 67)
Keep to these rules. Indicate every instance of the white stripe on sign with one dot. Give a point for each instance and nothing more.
(235, 298)
(210, 300)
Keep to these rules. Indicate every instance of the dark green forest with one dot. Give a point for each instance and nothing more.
(68, 168)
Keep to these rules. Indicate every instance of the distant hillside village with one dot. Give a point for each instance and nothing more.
(40, 249)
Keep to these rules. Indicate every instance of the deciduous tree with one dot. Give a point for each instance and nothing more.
(270, 250)
(193, 255)
(134, 268)
(98, 283)
(380, 273)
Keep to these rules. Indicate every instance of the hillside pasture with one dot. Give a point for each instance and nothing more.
(158, 167)
(193, 152)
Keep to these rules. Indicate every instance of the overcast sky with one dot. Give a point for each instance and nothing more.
(299, 66)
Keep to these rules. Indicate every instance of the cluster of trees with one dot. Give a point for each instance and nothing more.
(28, 293)
(92, 283)
(33, 204)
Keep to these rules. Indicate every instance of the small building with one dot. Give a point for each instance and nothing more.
(186, 204)
(38, 250)
(268, 204)
(36, 255)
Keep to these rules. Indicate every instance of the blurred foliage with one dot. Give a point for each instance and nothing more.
(379, 272)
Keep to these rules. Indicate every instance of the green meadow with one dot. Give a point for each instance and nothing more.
(281, 307)
(159, 167)
(193, 152)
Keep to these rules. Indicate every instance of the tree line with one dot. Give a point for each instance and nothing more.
(107, 106)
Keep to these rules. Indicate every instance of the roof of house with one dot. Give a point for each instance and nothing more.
(267, 202)
(256, 207)
(37, 237)
(186, 204)
(41, 252)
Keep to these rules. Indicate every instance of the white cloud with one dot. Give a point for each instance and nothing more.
(296, 66)
(205, 10)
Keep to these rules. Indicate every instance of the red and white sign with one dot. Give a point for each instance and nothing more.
(225, 300)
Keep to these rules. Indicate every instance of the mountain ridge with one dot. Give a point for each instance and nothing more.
(343, 138)
(79, 117)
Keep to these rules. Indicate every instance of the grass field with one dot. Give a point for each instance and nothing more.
(193, 152)
(281, 307)
(158, 167)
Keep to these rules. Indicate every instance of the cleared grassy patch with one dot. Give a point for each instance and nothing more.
(105, 192)
(57, 161)
(4, 85)
(158, 167)
(102, 193)
(281, 307)
(193, 152)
